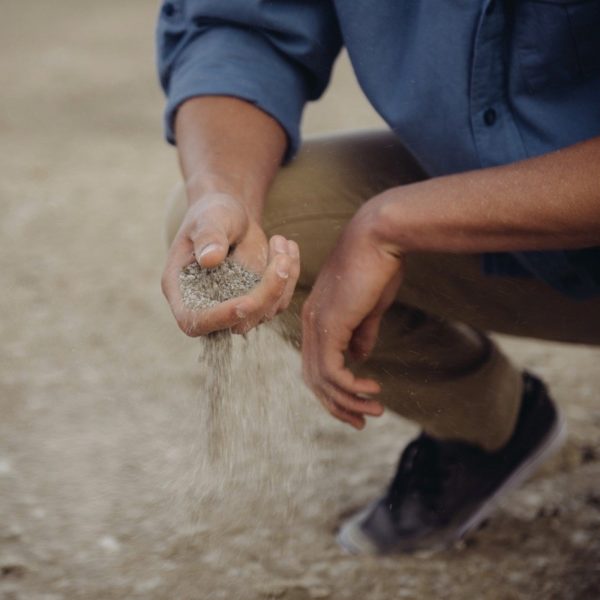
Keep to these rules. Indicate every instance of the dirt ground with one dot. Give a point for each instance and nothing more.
(97, 382)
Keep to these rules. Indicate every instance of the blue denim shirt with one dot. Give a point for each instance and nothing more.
(464, 83)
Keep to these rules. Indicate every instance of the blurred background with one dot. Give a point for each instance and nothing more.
(94, 373)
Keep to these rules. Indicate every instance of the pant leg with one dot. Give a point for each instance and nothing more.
(436, 365)
(446, 376)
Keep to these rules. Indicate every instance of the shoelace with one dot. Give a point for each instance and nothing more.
(421, 471)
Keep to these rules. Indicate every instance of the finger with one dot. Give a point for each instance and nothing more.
(225, 315)
(332, 368)
(266, 294)
(194, 322)
(294, 254)
(213, 226)
(364, 337)
(353, 404)
(343, 415)
(327, 399)
(323, 357)
(355, 420)
(277, 245)
(211, 246)
(323, 369)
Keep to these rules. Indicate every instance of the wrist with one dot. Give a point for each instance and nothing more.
(383, 223)
(202, 185)
(205, 190)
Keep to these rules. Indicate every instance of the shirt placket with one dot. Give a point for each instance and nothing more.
(495, 133)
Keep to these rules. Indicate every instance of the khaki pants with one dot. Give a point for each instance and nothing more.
(436, 365)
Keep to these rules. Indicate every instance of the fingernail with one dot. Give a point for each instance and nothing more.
(240, 312)
(283, 272)
(209, 248)
(280, 245)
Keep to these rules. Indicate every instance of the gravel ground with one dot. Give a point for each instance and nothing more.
(98, 385)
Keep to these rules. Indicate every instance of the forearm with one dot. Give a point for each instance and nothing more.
(549, 202)
(227, 145)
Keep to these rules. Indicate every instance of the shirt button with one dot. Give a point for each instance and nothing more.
(489, 117)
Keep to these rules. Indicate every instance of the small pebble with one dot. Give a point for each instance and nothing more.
(580, 538)
(109, 543)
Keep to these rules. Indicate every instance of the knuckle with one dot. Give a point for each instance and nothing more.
(205, 233)
(282, 262)
(328, 374)
(199, 229)
(348, 406)
(233, 316)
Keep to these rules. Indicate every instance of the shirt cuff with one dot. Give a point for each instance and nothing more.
(231, 61)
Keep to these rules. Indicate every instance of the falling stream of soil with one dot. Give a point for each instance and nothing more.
(248, 437)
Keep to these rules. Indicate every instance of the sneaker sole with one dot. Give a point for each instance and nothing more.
(551, 444)
(354, 541)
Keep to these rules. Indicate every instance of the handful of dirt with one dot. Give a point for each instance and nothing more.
(204, 288)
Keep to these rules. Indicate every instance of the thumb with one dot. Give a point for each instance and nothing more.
(364, 337)
(212, 225)
(210, 247)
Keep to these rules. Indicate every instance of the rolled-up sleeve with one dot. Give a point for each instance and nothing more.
(277, 54)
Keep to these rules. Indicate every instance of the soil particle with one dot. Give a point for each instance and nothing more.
(204, 288)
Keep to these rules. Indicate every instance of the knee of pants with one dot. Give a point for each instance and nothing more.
(313, 198)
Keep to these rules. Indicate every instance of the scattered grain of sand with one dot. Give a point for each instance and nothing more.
(203, 288)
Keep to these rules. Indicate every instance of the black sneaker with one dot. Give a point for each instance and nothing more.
(442, 490)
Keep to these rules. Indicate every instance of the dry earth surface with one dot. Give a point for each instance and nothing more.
(98, 385)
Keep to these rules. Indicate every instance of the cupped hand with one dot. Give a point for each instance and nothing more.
(355, 287)
(215, 226)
